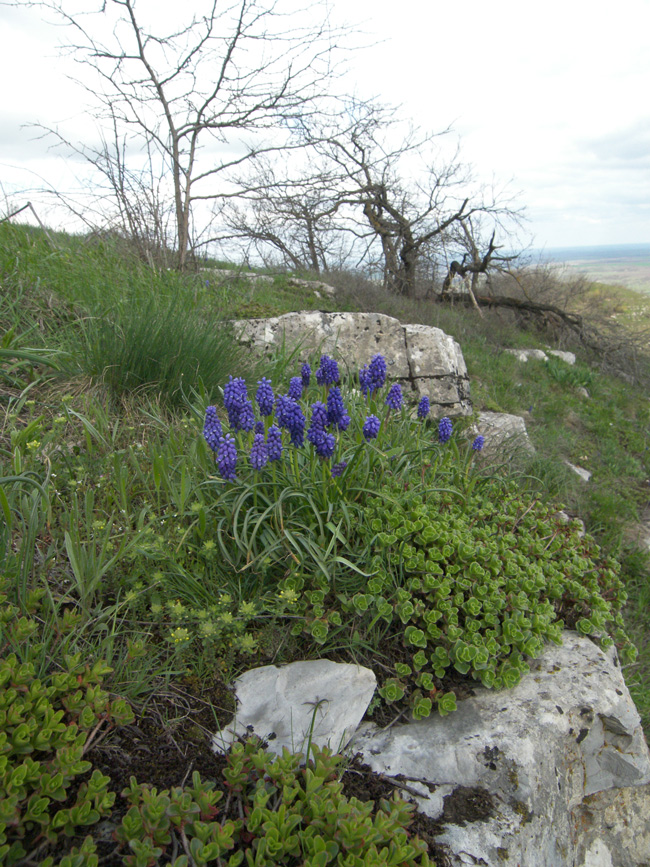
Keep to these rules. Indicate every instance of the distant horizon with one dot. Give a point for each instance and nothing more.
(570, 252)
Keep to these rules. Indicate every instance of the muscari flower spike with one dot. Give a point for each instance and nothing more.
(274, 443)
(394, 398)
(336, 413)
(259, 455)
(264, 396)
(227, 457)
(371, 427)
(478, 443)
(339, 469)
(305, 374)
(295, 388)
(377, 372)
(424, 407)
(212, 431)
(444, 429)
(328, 372)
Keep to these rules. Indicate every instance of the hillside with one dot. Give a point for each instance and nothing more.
(144, 582)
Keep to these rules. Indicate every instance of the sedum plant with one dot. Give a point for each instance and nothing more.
(476, 586)
(47, 724)
(286, 814)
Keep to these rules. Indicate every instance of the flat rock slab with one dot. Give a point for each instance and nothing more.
(316, 701)
(534, 758)
(421, 358)
(504, 433)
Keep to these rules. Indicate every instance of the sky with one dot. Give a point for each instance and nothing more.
(550, 99)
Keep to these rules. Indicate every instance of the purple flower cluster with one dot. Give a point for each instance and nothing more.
(264, 397)
(227, 457)
(328, 372)
(394, 397)
(212, 431)
(289, 415)
(259, 455)
(274, 443)
(336, 414)
(285, 412)
(295, 388)
(238, 406)
(372, 377)
(323, 442)
(444, 429)
(478, 443)
(371, 427)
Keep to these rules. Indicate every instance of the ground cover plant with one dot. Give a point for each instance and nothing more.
(116, 539)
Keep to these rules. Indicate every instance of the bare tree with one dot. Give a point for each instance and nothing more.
(289, 213)
(202, 96)
(480, 256)
(409, 197)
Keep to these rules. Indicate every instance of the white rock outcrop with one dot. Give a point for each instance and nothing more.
(555, 772)
(420, 357)
(549, 757)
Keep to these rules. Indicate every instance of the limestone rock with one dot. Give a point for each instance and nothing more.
(419, 357)
(559, 766)
(525, 354)
(540, 355)
(567, 357)
(585, 475)
(504, 433)
(290, 705)
(317, 286)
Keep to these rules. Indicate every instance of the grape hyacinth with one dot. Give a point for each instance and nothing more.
(394, 398)
(305, 374)
(371, 427)
(424, 407)
(444, 429)
(264, 397)
(234, 398)
(295, 388)
(212, 431)
(377, 372)
(259, 455)
(339, 469)
(259, 427)
(372, 377)
(328, 372)
(324, 443)
(227, 457)
(318, 422)
(336, 413)
(246, 418)
(478, 443)
(290, 416)
(274, 443)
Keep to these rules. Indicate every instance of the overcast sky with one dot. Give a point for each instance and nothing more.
(552, 97)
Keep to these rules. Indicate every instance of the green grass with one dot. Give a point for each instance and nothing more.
(106, 496)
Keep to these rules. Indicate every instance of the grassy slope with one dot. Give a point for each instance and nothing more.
(52, 301)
